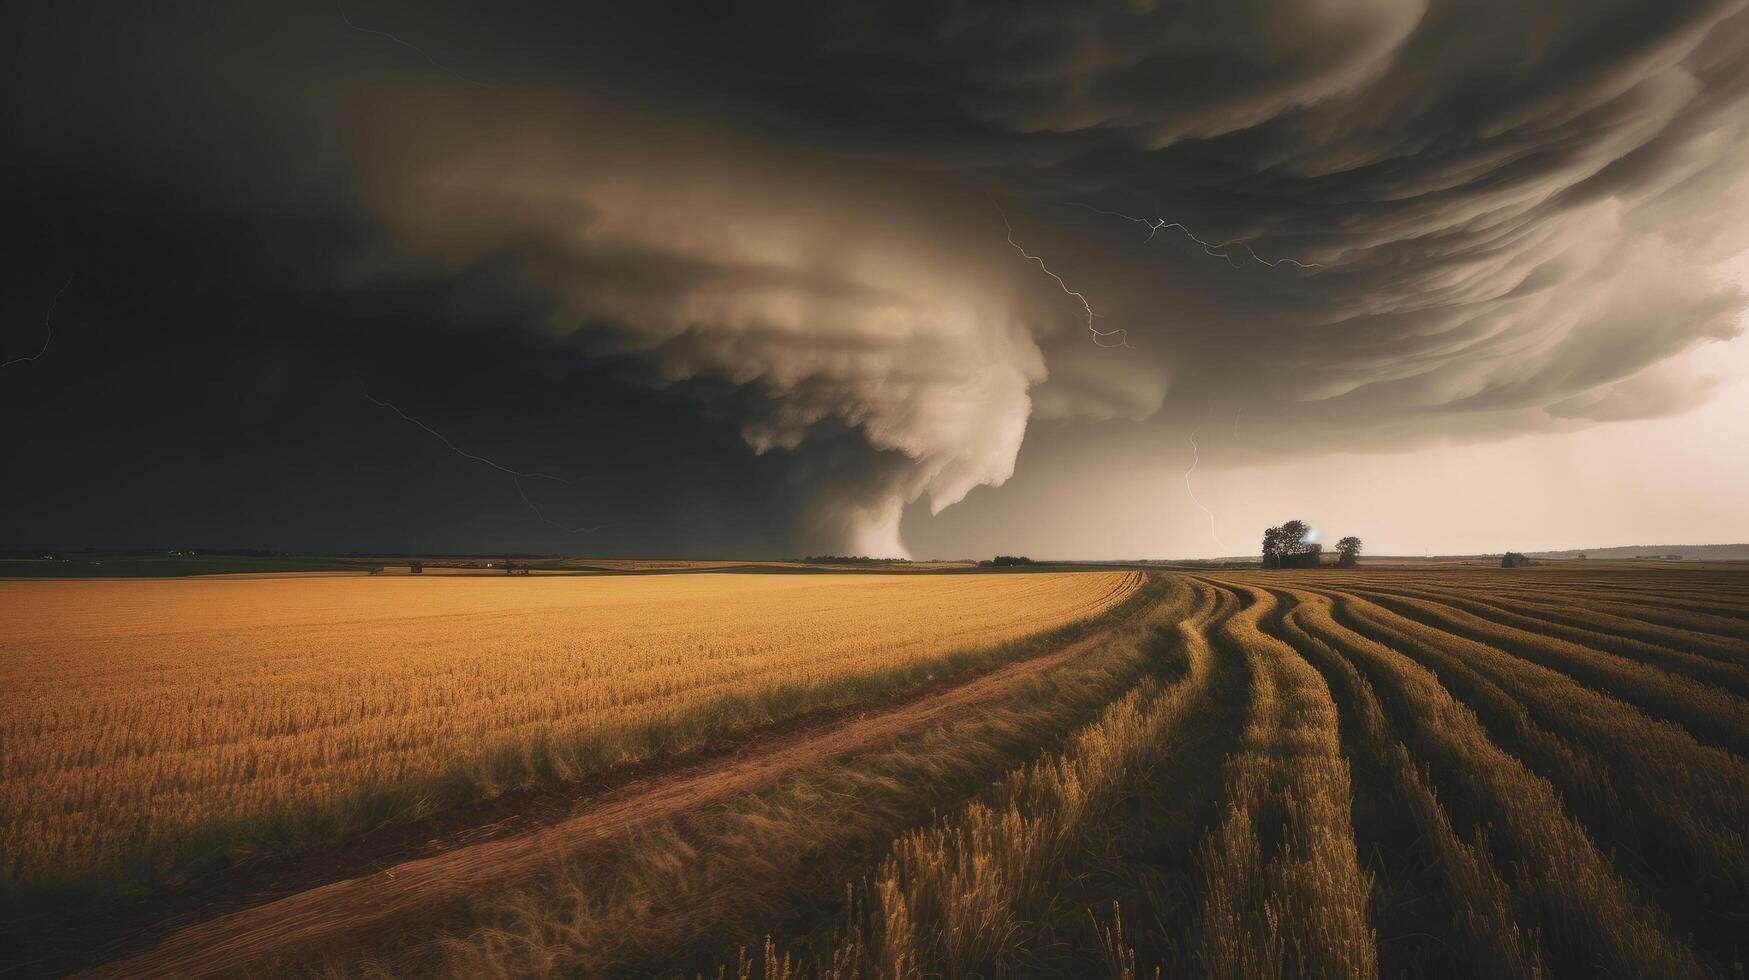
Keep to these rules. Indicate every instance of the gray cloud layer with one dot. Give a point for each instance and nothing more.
(1513, 209)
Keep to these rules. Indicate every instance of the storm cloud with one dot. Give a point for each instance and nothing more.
(1505, 217)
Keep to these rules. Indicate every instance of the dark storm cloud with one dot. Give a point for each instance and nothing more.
(791, 217)
(1163, 71)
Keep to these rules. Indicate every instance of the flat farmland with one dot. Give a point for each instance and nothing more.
(1401, 770)
(147, 724)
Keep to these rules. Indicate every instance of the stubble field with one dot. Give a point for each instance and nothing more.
(1425, 771)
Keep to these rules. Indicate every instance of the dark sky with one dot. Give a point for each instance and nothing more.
(191, 396)
(739, 276)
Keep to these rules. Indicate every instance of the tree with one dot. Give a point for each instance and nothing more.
(1288, 539)
(1272, 547)
(1348, 550)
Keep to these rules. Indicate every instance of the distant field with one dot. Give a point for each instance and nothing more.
(637, 565)
(80, 564)
(143, 717)
(1398, 770)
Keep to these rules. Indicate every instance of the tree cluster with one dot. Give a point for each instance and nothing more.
(1007, 560)
(1286, 547)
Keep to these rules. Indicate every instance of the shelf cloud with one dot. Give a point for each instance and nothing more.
(1505, 217)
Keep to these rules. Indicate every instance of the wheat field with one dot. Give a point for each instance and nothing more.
(140, 717)
(1398, 770)
(1315, 773)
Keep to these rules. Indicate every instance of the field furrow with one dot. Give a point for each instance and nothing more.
(1140, 868)
(1440, 905)
(1590, 921)
(1283, 890)
(1708, 712)
(1710, 660)
(1704, 620)
(1671, 806)
(970, 894)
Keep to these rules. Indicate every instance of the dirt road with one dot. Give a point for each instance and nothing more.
(339, 913)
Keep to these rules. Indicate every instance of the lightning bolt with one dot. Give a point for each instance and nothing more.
(48, 326)
(516, 476)
(1099, 336)
(1195, 458)
(1217, 249)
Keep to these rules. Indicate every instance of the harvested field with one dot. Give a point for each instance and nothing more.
(1424, 771)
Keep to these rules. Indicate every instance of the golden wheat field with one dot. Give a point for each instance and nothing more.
(1338, 773)
(138, 714)
(1402, 770)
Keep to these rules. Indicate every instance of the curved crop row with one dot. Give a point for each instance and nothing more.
(1676, 798)
(1284, 893)
(1706, 660)
(1706, 711)
(1589, 919)
(952, 900)
(1484, 934)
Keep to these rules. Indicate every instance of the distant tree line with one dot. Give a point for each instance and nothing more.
(440, 556)
(1003, 561)
(1286, 546)
(854, 560)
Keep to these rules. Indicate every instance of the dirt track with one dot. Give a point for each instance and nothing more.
(337, 914)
